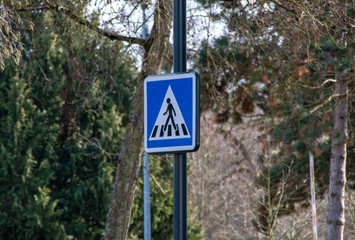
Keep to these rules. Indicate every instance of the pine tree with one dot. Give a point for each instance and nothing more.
(62, 121)
(27, 209)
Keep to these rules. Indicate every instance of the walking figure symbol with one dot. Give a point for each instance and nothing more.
(170, 109)
(170, 123)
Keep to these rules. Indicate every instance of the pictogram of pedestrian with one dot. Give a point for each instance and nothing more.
(171, 116)
(169, 123)
(170, 109)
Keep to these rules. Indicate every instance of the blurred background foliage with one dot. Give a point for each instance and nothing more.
(65, 95)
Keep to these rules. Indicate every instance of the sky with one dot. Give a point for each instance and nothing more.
(127, 19)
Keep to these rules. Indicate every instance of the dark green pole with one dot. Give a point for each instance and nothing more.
(180, 164)
(180, 197)
(179, 36)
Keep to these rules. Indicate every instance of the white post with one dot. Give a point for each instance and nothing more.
(146, 193)
(313, 195)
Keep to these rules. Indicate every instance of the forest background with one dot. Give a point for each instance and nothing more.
(277, 83)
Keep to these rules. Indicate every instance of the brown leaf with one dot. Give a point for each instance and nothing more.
(241, 49)
(308, 81)
(272, 101)
(327, 117)
(300, 71)
(278, 61)
(221, 117)
(317, 152)
(265, 79)
(302, 135)
(266, 144)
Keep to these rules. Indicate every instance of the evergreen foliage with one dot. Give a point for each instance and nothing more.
(27, 209)
(63, 112)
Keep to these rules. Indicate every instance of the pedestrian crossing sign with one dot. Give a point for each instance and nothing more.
(171, 113)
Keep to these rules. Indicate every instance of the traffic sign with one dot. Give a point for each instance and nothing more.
(171, 113)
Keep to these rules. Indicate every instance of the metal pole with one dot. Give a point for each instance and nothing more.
(146, 193)
(180, 197)
(146, 183)
(179, 36)
(180, 163)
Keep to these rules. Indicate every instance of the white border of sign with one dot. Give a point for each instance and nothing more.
(195, 115)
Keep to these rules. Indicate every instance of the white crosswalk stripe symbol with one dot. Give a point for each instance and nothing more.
(170, 123)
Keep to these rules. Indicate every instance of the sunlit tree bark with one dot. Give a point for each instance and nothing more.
(337, 180)
(130, 155)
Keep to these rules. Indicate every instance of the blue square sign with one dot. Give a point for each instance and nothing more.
(171, 113)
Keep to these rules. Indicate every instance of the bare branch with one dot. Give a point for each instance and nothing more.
(83, 21)
(326, 101)
(319, 86)
(154, 180)
(37, 8)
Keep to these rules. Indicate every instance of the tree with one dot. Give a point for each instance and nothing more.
(300, 49)
(130, 153)
(337, 181)
(61, 121)
(25, 177)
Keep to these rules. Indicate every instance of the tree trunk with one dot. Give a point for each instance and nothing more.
(336, 218)
(130, 155)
